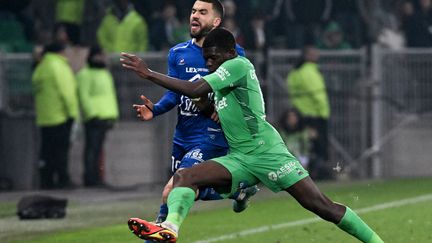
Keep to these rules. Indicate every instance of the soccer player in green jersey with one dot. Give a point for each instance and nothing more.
(257, 152)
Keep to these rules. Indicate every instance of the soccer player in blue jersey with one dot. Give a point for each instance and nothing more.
(197, 137)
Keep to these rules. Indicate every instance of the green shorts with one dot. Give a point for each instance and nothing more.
(277, 171)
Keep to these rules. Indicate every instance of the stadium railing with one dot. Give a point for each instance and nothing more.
(345, 77)
(379, 126)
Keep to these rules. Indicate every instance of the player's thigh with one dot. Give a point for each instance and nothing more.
(208, 173)
(240, 174)
(200, 153)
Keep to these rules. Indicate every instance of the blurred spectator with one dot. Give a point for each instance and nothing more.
(418, 27)
(75, 54)
(70, 14)
(93, 13)
(166, 29)
(175, 30)
(98, 101)
(255, 34)
(231, 25)
(332, 38)
(406, 11)
(15, 27)
(123, 29)
(182, 12)
(308, 94)
(295, 135)
(383, 25)
(43, 15)
(56, 104)
(351, 16)
(298, 21)
(230, 8)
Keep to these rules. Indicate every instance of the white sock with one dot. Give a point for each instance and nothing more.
(171, 226)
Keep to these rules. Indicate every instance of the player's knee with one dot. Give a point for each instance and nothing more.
(183, 178)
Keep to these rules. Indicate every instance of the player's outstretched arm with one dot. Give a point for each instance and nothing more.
(145, 110)
(191, 89)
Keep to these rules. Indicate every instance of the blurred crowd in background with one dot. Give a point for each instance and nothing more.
(148, 25)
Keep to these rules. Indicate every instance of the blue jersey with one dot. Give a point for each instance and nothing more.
(186, 62)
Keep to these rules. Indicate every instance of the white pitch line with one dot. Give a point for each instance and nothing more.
(263, 229)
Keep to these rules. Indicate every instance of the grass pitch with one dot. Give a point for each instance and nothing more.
(399, 210)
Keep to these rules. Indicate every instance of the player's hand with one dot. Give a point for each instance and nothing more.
(134, 63)
(145, 110)
(215, 117)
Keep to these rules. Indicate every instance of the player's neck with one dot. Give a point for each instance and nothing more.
(199, 42)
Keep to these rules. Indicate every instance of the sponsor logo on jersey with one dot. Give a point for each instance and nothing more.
(187, 107)
(195, 154)
(182, 62)
(222, 73)
(196, 70)
(283, 171)
(220, 104)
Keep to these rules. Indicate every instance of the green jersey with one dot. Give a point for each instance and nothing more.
(240, 106)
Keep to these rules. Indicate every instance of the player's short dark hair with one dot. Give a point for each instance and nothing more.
(217, 7)
(220, 38)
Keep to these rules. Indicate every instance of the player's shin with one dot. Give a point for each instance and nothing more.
(354, 225)
(180, 201)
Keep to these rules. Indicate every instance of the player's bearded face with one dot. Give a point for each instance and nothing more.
(202, 19)
(202, 32)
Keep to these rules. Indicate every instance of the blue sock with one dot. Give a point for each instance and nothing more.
(242, 185)
(163, 212)
(208, 194)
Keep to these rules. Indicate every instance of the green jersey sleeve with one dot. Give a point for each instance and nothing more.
(229, 74)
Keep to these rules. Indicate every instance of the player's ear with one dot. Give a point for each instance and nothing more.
(232, 53)
(217, 22)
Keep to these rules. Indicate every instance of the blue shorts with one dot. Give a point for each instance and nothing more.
(185, 157)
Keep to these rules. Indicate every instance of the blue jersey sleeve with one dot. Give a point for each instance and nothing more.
(166, 103)
(170, 98)
(172, 70)
(240, 50)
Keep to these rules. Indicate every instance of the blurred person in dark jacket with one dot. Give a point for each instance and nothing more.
(418, 27)
(299, 20)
